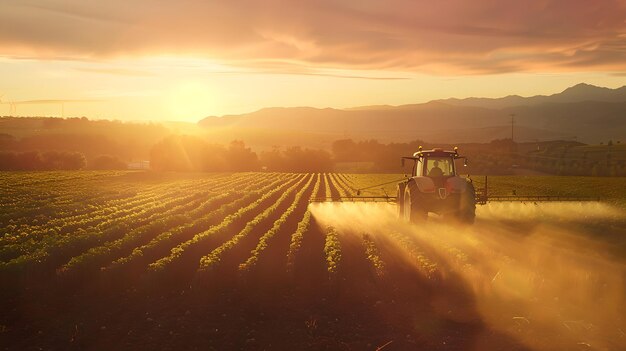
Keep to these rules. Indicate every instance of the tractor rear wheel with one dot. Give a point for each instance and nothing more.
(467, 205)
(400, 199)
(414, 210)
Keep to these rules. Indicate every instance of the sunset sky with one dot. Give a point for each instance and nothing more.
(188, 59)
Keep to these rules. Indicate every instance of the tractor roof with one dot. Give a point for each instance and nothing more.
(436, 152)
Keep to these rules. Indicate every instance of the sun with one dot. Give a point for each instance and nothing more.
(190, 101)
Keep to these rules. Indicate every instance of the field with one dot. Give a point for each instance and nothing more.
(142, 260)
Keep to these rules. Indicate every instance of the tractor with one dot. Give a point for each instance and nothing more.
(435, 186)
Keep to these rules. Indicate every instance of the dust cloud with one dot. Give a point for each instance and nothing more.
(537, 272)
(551, 211)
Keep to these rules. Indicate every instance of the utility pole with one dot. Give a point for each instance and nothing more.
(512, 124)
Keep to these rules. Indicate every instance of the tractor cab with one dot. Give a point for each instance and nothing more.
(437, 164)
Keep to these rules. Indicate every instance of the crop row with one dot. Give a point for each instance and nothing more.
(425, 265)
(43, 202)
(267, 237)
(332, 250)
(46, 237)
(327, 191)
(373, 255)
(29, 179)
(93, 208)
(168, 239)
(335, 183)
(375, 183)
(172, 218)
(152, 203)
(33, 206)
(190, 218)
(162, 191)
(211, 260)
(178, 251)
(303, 227)
(341, 182)
(93, 216)
(453, 253)
(33, 233)
(42, 237)
(83, 238)
(147, 218)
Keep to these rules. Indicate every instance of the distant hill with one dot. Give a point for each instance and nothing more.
(578, 93)
(583, 112)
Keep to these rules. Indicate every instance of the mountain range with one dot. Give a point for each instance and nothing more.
(583, 112)
(579, 93)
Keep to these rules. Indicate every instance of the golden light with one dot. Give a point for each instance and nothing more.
(190, 100)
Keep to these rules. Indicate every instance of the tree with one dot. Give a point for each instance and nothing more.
(273, 160)
(241, 158)
(345, 150)
(103, 162)
(296, 159)
(58, 160)
(189, 153)
(29, 161)
(8, 161)
(178, 153)
(74, 161)
(33, 160)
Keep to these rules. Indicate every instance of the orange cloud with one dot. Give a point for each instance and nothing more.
(117, 71)
(454, 36)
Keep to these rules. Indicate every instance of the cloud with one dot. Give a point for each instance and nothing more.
(294, 68)
(117, 71)
(449, 37)
(50, 101)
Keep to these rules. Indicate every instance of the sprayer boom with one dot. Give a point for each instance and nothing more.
(390, 199)
(481, 196)
(481, 199)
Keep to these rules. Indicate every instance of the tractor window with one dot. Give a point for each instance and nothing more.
(439, 167)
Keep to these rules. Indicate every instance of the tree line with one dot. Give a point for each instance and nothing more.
(498, 157)
(189, 153)
(38, 161)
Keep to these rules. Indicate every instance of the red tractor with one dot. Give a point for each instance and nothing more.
(434, 186)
